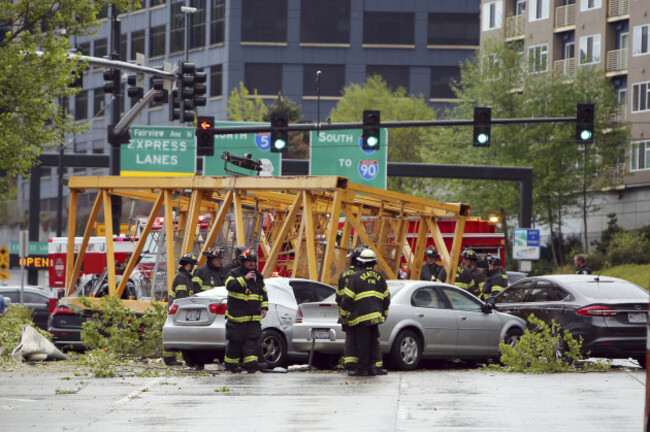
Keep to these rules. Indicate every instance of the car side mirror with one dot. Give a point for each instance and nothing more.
(489, 304)
(492, 300)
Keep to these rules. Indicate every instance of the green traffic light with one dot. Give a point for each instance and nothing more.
(372, 141)
(279, 144)
(482, 138)
(585, 135)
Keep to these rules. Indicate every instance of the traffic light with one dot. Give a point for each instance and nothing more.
(112, 81)
(160, 93)
(585, 123)
(204, 136)
(279, 132)
(200, 88)
(174, 105)
(135, 90)
(371, 124)
(482, 124)
(185, 86)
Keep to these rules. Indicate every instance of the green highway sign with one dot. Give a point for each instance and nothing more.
(159, 150)
(34, 248)
(257, 144)
(339, 152)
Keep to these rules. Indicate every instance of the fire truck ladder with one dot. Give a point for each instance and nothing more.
(305, 225)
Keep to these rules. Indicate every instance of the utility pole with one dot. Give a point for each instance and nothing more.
(116, 202)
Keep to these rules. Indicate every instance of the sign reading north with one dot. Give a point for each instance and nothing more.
(159, 150)
(340, 153)
(258, 145)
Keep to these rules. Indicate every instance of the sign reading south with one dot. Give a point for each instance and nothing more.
(257, 144)
(341, 153)
(159, 150)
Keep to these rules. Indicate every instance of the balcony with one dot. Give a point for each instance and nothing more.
(617, 62)
(515, 27)
(618, 9)
(620, 115)
(565, 16)
(565, 68)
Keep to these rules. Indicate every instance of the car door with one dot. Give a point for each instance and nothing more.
(478, 332)
(542, 301)
(511, 300)
(437, 320)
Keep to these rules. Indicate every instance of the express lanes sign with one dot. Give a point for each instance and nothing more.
(159, 150)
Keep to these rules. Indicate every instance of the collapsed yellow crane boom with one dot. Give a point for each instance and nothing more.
(295, 218)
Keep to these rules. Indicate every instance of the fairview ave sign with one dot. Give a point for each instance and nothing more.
(159, 150)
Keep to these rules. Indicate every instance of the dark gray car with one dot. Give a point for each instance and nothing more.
(34, 298)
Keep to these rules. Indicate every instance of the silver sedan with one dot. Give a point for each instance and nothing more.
(196, 326)
(426, 320)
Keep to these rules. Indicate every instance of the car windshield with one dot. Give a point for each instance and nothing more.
(610, 290)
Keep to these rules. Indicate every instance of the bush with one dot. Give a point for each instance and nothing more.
(546, 349)
(11, 327)
(121, 331)
(629, 248)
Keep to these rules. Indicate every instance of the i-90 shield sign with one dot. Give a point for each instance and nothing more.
(368, 169)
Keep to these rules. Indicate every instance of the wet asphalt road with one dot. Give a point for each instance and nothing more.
(425, 400)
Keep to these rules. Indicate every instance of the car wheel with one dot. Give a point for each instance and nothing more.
(512, 336)
(641, 360)
(406, 352)
(274, 348)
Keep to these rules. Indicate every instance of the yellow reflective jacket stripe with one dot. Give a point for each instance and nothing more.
(367, 294)
(244, 318)
(373, 316)
(245, 297)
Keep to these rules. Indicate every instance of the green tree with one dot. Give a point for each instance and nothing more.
(565, 175)
(35, 73)
(244, 107)
(395, 105)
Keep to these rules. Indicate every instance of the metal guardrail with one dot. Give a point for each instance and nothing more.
(566, 67)
(515, 26)
(618, 8)
(565, 15)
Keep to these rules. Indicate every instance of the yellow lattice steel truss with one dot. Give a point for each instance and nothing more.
(304, 226)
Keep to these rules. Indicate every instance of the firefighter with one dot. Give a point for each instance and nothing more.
(212, 273)
(365, 305)
(182, 285)
(247, 305)
(235, 262)
(470, 260)
(464, 278)
(497, 278)
(431, 269)
(350, 358)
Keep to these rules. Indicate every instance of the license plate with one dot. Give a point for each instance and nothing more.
(320, 333)
(637, 317)
(192, 315)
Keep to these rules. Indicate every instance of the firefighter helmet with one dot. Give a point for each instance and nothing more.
(469, 254)
(247, 254)
(217, 252)
(356, 252)
(239, 250)
(495, 261)
(367, 256)
(431, 252)
(188, 258)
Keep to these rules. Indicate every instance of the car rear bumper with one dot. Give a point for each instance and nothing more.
(302, 340)
(195, 338)
(616, 347)
(66, 338)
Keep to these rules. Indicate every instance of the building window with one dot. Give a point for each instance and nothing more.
(98, 147)
(590, 49)
(640, 157)
(332, 80)
(492, 15)
(537, 58)
(264, 21)
(641, 40)
(389, 28)
(640, 97)
(266, 78)
(216, 80)
(177, 27)
(325, 22)
(441, 79)
(124, 45)
(101, 48)
(153, 3)
(84, 48)
(157, 41)
(103, 12)
(217, 21)
(395, 76)
(137, 43)
(98, 102)
(538, 10)
(453, 29)
(81, 105)
(589, 4)
(197, 25)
